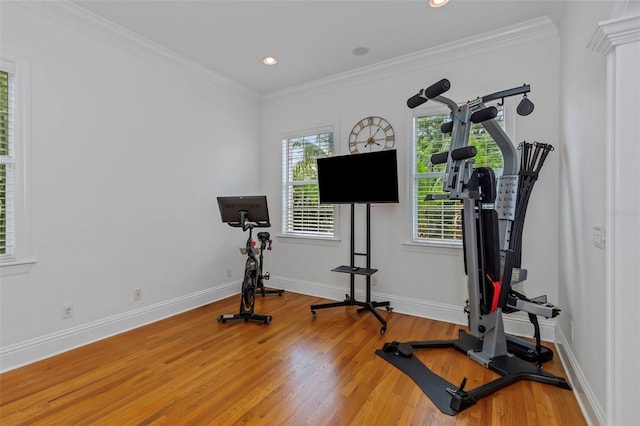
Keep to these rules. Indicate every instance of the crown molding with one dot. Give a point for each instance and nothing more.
(82, 20)
(614, 32)
(95, 26)
(532, 30)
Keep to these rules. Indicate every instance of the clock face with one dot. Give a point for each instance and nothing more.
(371, 134)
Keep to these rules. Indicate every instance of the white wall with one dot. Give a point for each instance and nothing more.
(129, 151)
(582, 289)
(584, 283)
(419, 276)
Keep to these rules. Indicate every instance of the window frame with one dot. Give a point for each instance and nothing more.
(7, 162)
(287, 183)
(21, 259)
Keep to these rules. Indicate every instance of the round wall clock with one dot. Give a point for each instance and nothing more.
(371, 134)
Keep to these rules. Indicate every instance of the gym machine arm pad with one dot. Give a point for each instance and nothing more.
(457, 154)
(430, 92)
(440, 158)
(484, 114)
(464, 153)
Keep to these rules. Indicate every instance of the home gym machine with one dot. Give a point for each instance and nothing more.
(249, 212)
(492, 238)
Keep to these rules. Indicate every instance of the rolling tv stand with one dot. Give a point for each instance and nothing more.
(353, 270)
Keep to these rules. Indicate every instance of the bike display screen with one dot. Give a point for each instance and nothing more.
(254, 206)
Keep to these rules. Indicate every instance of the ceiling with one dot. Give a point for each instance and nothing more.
(312, 39)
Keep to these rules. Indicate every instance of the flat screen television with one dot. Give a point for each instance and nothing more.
(359, 178)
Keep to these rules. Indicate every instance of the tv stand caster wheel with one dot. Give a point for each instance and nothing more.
(221, 319)
(389, 309)
(383, 329)
(314, 314)
(267, 320)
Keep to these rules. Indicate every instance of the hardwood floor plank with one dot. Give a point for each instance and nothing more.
(190, 369)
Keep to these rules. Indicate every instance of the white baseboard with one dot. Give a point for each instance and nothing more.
(516, 324)
(30, 351)
(591, 409)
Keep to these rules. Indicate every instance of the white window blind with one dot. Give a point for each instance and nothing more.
(441, 220)
(7, 166)
(303, 214)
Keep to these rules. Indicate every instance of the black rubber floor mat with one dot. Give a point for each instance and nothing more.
(434, 386)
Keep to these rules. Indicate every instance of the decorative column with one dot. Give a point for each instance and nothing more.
(619, 40)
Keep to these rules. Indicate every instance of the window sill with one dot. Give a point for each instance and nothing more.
(434, 247)
(308, 239)
(15, 267)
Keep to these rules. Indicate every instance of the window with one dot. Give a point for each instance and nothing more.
(6, 164)
(302, 212)
(15, 168)
(441, 220)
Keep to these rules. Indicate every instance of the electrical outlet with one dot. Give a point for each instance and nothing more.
(67, 311)
(137, 294)
(228, 272)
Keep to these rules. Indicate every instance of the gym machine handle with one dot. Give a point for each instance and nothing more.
(430, 92)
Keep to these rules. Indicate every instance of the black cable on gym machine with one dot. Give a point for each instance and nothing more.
(532, 158)
(492, 223)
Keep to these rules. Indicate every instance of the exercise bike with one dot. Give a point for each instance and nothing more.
(492, 239)
(249, 212)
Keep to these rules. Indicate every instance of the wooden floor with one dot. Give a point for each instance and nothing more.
(190, 369)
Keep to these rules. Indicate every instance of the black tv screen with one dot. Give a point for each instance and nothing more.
(359, 178)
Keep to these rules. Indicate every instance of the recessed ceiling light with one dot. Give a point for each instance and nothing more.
(269, 60)
(437, 3)
(361, 50)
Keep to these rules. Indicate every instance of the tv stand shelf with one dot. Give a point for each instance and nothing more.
(355, 270)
